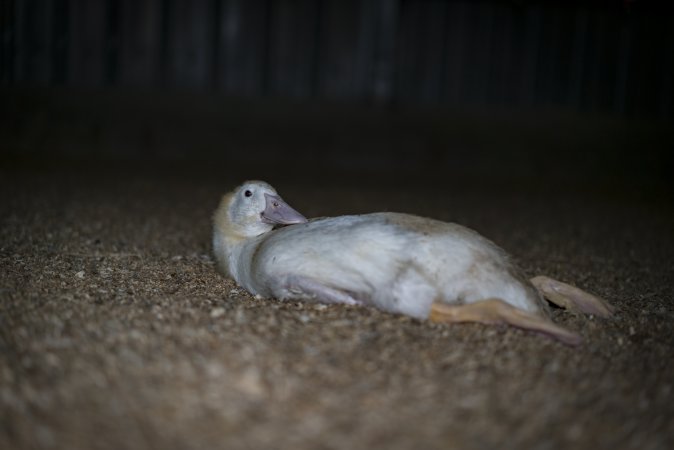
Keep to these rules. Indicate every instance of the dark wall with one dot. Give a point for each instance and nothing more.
(611, 56)
(557, 92)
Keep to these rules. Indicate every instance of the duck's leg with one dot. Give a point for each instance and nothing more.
(571, 298)
(496, 311)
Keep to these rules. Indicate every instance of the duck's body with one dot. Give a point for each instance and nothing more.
(396, 262)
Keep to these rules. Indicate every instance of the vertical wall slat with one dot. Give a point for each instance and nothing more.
(318, 36)
(230, 54)
(35, 37)
(565, 56)
(384, 50)
(19, 47)
(578, 58)
(549, 54)
(623, 67)
(608, 60)
(666, 82)
(214, 38)
(60, 41)
(242, 46)
(165, 7)
(4, 25)
(112, 42)
(140, 50)
(189, 53)
(483, 39)
(365, 49)
(651, 61)
(501, 55)
(87, 43)
(421, 62)
(531, 52)
(340, 49)
(256, 47)
(596, 55)
(292, 47)
(8, 44)
(455, 48)
(407, 67)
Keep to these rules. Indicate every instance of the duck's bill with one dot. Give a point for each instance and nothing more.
(277, 211)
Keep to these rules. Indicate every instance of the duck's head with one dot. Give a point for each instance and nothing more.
(252, 209)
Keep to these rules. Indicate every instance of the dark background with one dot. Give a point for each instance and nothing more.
(557, 91)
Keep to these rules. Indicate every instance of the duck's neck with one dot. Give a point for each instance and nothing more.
(227, 250)
(234, 255)
(233, 252)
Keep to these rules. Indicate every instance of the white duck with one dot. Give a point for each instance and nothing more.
(400, 263)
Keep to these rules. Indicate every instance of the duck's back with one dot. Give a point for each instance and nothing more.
(398, 262)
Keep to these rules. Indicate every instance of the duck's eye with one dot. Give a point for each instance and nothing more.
(247, 193)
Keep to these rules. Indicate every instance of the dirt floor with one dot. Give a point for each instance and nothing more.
(117, 332)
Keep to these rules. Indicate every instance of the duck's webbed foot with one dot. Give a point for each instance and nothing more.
(496, 311)
(571, 298)
(309, 289)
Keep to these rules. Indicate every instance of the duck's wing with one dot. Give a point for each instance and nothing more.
(348, 254)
